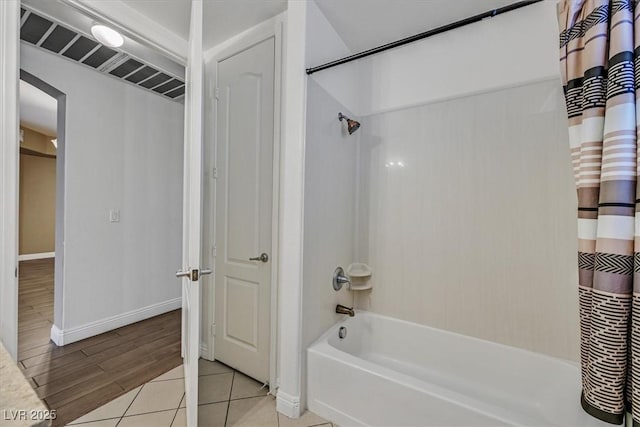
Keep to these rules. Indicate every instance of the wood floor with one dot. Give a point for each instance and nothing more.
(79, 377)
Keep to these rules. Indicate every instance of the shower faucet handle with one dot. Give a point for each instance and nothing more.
(339, 279)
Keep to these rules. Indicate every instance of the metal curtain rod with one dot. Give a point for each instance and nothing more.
(411, 39)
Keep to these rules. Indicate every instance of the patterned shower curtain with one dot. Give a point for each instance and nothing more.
(599, 47)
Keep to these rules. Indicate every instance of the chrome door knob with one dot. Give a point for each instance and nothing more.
(263, 257)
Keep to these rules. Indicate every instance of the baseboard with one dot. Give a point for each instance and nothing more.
(67, 336)
(288, 405)
(204, 350)
(43, 255)
(57, 335)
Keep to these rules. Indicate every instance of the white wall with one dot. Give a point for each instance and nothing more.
(511, 49)
(123, 151)
(324, 45)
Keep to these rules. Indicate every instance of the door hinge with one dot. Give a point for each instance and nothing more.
(216, 93)
(214, 173)
(213, 251)
(213, 330)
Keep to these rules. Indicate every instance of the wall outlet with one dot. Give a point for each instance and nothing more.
(114, 215)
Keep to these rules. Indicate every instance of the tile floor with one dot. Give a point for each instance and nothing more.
(226, 398)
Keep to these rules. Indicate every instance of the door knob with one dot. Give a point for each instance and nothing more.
(263, 257)
(183, 273)
(193, 273)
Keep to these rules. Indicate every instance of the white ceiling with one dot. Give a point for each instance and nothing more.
(38, 111)
(364, 24)
(171, 14)
(222, 18)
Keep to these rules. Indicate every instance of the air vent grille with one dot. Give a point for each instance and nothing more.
(168, 86)
(155, 80)
(81, 48)
(142, 74)
(99, 57)
(59, 38)
(34, 28)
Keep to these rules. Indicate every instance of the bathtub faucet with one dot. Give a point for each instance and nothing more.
(341, 309)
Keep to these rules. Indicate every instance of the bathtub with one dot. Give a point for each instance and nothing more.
(388, 372)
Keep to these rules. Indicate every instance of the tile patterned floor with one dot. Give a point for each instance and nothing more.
(226, 397)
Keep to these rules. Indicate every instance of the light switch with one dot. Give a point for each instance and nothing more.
(114, 215)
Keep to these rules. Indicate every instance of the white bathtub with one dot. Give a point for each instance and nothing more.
(388, 372)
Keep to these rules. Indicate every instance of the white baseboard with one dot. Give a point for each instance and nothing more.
(67, 336)
(57, 335)
(288, 405)
(43, 255)
(204, 350)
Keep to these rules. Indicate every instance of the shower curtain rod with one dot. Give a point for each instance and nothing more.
(411, 39)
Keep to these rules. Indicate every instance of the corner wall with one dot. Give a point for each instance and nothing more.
(123, 151)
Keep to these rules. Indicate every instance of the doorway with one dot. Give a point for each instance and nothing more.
(41, 212)
(244, 208)
(242, 203)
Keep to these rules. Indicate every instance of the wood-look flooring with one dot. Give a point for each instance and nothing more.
(79, 377)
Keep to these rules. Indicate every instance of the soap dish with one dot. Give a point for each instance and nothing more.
(360, 275)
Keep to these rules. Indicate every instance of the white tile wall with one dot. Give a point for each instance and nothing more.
(329, 212)
(475, 231)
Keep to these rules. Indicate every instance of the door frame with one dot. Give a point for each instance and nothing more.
(59, 270)
(271, 28)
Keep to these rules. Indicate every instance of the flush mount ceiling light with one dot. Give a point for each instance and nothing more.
(107, 36)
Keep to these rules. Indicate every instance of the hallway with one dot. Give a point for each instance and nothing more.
(80, 377)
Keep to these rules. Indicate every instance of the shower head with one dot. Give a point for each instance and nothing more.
(352, 125)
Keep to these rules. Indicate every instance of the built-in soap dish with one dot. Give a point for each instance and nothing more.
(360, 275)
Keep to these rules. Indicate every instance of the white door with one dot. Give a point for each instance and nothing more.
(192, 215)
(9, 149)
(244, 202)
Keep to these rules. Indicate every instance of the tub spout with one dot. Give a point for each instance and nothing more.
(341, 309)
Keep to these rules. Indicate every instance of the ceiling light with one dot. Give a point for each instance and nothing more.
(107, 36)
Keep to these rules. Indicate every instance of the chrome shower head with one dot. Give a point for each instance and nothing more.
(352, 125)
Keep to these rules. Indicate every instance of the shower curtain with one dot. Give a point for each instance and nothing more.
(600, 67)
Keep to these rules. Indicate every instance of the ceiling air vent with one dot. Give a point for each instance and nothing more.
(68, 43)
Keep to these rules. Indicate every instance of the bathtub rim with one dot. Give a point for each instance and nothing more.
(334, 329)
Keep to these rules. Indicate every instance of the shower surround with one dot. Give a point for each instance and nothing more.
(455, 189)
(465, 215)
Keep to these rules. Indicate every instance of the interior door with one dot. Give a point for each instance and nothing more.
(9, 161)
(244, 201)
(192, 215)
